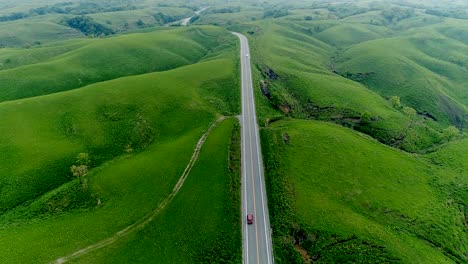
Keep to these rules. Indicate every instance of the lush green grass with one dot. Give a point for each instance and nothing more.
(30, 32)
(346, 34)
(124, 20)
(345, 197)
(427, 72)
(16, 57)
(335, 195)
(338, 196)
(104, 123)
(307, 87)
(105, 59)
(227, 19)
(140, 133)
(202, 223)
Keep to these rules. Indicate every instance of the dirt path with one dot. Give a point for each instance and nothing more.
(150, 216)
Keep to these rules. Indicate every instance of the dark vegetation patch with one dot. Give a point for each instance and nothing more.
(85, 7)
(448, 12)
(346, 10)
(88, 26)
(270, 73)
(395, 14)
(361, 77)
(81, 8)
(224, 10)
(162, 18)
(275, 13)
(220, 248)
(264, 87)
(427, 115)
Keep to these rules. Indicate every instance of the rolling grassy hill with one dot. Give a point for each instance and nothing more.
(39, 22)
(202, 224)
(296, 72)
(32, 32)
(426, 71)
(340, 196)
(16, 57)
(343, 35)
(139, 132)
(124, 20)
(104, 59)
(345, 182)
(361, 195)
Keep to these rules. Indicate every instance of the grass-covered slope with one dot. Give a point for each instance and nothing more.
(346, 34)
(128, 20)
(427, 72)
(105, 59)
(202, 225)
(297, 76)
(338, 196)
(139, 132)
(17, 57)
(105, 119)
(32, 32)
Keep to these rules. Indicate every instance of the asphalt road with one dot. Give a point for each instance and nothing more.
(186, 21)
(256, 238)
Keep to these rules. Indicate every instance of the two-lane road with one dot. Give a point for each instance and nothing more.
(256, 238)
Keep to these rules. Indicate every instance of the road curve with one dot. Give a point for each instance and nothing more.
(256, 238)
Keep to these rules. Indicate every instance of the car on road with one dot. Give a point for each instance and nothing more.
(250, 219)
(246, 55)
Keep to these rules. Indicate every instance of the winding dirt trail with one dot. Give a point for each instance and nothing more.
(153, 214)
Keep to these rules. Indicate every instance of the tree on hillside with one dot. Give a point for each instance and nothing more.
(140, 23)
(83, 159)
(396, 14)
(395, 101)
(80, 170)
(451, 132)
(409, 111)
(162, 18)
(275, 13)
(88, 26)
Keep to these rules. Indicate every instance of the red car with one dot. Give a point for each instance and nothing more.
(250, 219)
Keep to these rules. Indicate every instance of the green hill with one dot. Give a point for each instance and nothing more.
(298, 75)
(17, 57)
(338, 196)
(427, 72)
(32, 32)
(139, 133)
(349, 34)
(109, 58)
(202, 224)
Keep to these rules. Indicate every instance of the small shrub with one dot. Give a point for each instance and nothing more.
(395, 101)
